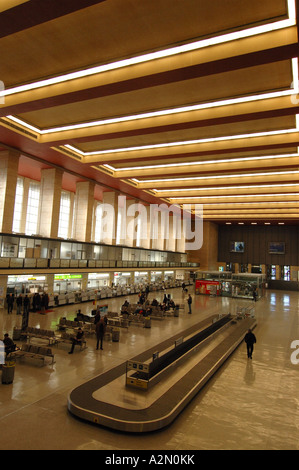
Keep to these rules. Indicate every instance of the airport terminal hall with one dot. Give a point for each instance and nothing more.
(149, 227)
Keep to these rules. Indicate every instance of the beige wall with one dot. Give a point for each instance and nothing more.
(208, 254)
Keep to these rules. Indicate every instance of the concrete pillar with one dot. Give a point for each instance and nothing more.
(158, 224)
(3, 287)
(180, 235)
(26, 183)
(84, 281)
(110, 211)
(50, 282)
(170, 242)
(131, 223)
(72, 204)
(84, 203)
(50, 195)
(145, 226)
(9, 163)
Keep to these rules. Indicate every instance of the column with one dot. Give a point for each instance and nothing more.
(158, 222)
(26, 183)
(144, 228)
(131, 223)
(3, 287)
(170, 242)
(50, 282)
(9, 163)
(50, 195)
(110, 211)
(180, 235)
(84, 203)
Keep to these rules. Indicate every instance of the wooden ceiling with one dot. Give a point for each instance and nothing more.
(190, 102)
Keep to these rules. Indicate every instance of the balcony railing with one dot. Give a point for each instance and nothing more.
(42, 263)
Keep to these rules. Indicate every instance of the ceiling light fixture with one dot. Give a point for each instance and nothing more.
(202, 162)
(226, 196)
(282, 24)
(217, 188)
(182, 143)
(167, 112)
(244, 175)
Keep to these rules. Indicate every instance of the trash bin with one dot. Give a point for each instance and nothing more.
(147, 323)
(176, 310)
(115, 334)
(8, 372)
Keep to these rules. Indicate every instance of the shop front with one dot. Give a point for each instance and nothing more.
(26, 284)
(65, 283)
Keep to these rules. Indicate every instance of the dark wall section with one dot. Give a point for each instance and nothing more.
(256, 240)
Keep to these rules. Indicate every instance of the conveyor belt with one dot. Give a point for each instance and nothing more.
(159, 409)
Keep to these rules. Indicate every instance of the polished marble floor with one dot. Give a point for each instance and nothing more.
(246, 405)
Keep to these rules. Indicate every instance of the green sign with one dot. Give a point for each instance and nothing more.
(61, 277)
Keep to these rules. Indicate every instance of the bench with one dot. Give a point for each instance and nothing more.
(39, 333)
(67, 339)
(40, 353)
(64, 324)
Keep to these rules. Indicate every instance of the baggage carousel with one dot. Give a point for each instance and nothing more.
(150, 390)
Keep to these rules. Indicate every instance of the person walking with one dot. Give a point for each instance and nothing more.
(250, 340)
(189, 301)
(100, 331)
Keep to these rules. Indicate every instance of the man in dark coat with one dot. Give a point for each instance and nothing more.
(250, 340)
(100, 331)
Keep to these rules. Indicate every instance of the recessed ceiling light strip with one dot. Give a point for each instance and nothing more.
(182, 143)
(231, 196)
(202, 162)
(221, 188)
(291, 21)
(243, 175)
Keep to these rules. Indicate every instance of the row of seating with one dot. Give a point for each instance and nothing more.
(66, 337)
(31, 332)
(31, 351)
(63, 322)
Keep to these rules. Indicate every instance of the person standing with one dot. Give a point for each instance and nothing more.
(26, 305)
(10, 300)
(250, 340)
(100, 331)
(189, 300)
(19, 303)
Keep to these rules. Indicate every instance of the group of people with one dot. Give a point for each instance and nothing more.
(40, 302)
(101, 323)
(21, 303)
(145, 308)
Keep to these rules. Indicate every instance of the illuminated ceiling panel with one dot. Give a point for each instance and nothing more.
(162, 101)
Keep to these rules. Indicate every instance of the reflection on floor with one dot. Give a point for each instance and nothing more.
(246, 405)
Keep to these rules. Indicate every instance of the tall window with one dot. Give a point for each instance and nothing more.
(18, 206)
(98, 223)
(32, 208)
(64, 214)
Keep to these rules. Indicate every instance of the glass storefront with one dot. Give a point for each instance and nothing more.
(26, 284)
(242, 285)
